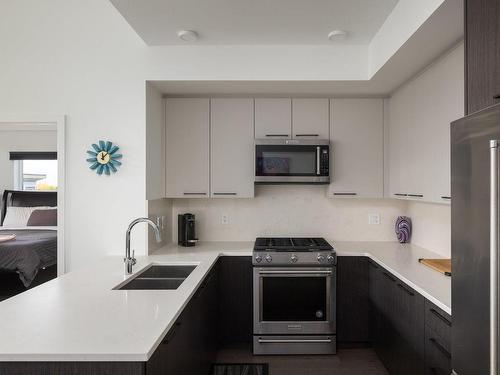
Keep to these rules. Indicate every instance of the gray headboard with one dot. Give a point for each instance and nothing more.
(27, 199)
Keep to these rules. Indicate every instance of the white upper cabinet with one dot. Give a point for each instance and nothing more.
(187, 147)
(400, 145)
(420, 113)
(357, 148)
(273, 118)
(310, 118)
(232, 148)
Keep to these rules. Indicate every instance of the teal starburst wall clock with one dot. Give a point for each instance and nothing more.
(104, 158)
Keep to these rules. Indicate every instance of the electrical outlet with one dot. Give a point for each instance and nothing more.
(163, 219)
(225, 219)
(374, 219)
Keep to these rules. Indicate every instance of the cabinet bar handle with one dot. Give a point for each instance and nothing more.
(318, 160)
(416, 195)
(401, 194)
(497, 96)
(345, 194)
(194, 193)
(299, 341)
(295, 272)
(307, 135)
(439, 316)
(445, 197)
(276, 135)
(494, 145)
(225, 193)
(406, 290)
(390, 277)
(440, 347)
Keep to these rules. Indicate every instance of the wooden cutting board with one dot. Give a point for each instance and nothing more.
(7, 237)
(441, 265)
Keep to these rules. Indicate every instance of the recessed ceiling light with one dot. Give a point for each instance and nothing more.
(337, 35)
(187, 35)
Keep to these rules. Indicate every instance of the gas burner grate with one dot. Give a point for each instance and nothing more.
(291, 244)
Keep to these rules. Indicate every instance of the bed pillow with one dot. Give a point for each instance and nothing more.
(17, 217)
(43, 218)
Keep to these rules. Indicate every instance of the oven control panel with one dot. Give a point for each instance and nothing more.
(298, 258)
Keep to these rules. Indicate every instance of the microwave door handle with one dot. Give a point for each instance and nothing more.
(318, 151)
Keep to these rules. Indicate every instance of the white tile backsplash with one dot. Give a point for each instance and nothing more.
(431, 226)
(283, 210)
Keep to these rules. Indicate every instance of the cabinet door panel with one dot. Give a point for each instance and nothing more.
(353, 303)
(273, 118)
(310, 118)
(187, 147)
(235, 314)
(375, 302)
(232, 148)
(400, 122)
(482, 54)
(357, 157)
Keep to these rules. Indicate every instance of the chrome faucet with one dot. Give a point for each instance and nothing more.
(130, 261)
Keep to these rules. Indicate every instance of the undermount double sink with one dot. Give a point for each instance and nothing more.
(159, 276)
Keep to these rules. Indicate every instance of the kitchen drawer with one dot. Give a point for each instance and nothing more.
(439, 322)
(437, 355)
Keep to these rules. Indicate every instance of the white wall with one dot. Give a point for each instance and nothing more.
(284, 210)
(158, 208)
(80, 58)
(21, 140)
(155, 141)
(431, 226)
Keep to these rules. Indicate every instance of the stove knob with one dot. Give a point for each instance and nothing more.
(294, 258)
(321, 258)
(330, 258)
(269, 258)
(258, 258)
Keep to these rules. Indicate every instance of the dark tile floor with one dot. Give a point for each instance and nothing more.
(362, 361)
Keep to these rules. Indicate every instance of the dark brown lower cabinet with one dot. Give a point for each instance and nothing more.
(235, 317)
(437, 340)
(353, 303)
(409, 334)
(190, 346)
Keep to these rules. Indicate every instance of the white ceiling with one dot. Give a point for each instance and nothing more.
(434, 37)
(236, 22)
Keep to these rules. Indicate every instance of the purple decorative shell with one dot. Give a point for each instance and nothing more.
(403, 229)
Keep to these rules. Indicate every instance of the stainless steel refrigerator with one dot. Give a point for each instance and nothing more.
(475, 156)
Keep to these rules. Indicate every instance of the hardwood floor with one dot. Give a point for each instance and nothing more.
(361, 361)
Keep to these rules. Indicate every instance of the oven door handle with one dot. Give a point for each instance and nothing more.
(294, 272)
(298, 341)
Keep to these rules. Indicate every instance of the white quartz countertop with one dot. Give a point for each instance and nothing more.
(79, 317)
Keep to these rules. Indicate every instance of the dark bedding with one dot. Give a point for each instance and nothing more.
(31, 250)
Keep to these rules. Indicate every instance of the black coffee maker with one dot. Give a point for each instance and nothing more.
(185, 229)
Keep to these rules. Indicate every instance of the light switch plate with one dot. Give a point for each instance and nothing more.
(374, 219)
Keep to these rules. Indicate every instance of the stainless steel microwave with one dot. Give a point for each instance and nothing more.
(292, 161)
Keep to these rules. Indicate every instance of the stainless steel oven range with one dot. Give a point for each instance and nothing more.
(294, 295)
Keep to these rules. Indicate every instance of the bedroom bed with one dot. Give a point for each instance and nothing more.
(31, 257)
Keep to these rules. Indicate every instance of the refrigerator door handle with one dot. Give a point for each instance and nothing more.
(494, 145)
